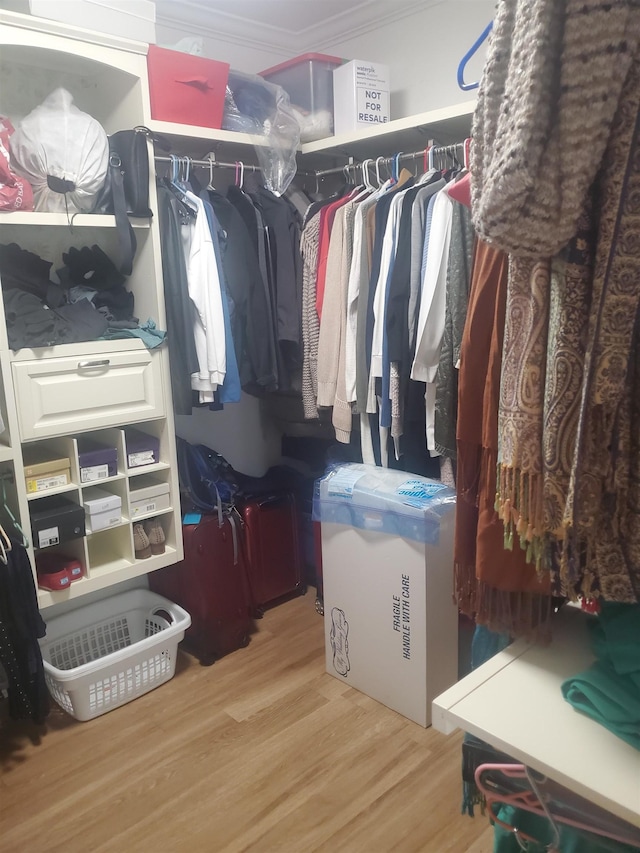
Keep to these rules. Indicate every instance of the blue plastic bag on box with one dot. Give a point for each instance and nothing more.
(383, 500)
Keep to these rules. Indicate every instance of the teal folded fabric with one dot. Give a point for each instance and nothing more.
(608, 698)
(148, 333)
(609, 691)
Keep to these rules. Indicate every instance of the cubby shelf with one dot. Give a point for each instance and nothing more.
(54, 398)
(62, 220)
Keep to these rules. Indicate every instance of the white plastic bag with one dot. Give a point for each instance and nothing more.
(63, 153)
(269, 108)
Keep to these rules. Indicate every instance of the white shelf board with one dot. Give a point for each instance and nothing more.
(58, 490)
(84, 349)
(514, 703)
(80, 220)
(154, 514)
(148, 469)
(197, 141)
(107, 575)
(446, 125)
(41, 26)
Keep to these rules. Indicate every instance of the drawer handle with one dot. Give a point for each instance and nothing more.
(102, 362)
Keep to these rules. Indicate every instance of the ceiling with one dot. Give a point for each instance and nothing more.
(285, 26)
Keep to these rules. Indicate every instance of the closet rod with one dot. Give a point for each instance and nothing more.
(410, 155)
(217, 164)
(320, 173)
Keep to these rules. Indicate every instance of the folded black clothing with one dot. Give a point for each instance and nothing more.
(30, 323)
(115, 325)
(90, 267)
(118, 302)
(86, 324)
(27, 271)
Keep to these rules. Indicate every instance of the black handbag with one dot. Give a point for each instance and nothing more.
(126, 189)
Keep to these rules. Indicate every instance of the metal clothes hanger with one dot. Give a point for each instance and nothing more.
(177, 164)
(185, 171)
(503, 783)
(240, 172)
(211, 160)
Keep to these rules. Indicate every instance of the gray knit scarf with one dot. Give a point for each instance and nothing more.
(550, 89)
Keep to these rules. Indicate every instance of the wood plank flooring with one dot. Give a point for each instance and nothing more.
(263, 751)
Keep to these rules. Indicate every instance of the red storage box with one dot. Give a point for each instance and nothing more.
(186, 89)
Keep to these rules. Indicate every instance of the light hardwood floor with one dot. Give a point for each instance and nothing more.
(263, 751)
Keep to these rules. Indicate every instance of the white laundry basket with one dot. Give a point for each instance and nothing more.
(101, 656)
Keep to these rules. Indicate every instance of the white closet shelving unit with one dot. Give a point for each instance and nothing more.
(514, 703)
(51, 396)
(47, 398)
(446, 125)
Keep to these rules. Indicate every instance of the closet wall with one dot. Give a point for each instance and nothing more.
(422, 44)
(423, 50)
(245, 54)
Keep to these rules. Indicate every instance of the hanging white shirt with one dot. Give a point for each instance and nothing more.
(204, 291)
(433, 293)
(431, 318)
(359, 268)
(387, 261)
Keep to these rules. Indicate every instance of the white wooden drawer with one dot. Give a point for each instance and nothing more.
(60, 396)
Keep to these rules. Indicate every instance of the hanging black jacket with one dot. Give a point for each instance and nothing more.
(179, 308)
(255, 354)
(20, 627)
(259, 239)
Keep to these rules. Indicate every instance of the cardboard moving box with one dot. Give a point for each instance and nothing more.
(391, 627)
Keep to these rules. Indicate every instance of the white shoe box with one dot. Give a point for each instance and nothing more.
(102, 509)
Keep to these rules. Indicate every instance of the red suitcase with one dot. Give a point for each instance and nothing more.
(211, 584)
(274, 558)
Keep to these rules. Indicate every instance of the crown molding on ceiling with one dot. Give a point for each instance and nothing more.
(360, 28)
(196, 21)
(194, 17)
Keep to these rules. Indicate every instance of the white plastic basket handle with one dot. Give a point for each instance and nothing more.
(165, 614)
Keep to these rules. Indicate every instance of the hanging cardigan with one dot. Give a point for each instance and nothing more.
(549, 92)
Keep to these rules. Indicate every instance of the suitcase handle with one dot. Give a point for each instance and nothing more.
(274, 499)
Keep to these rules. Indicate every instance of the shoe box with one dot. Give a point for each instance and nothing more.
(142, 448)
(103, 509)
(96, 461)
(43, 473)
(56, 519)
(146, 497)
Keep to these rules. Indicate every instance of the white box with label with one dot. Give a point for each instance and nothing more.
(391, 627)
(361, 93)
(102, 509)
(145, 499)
